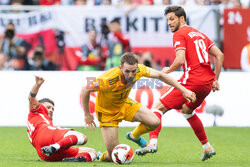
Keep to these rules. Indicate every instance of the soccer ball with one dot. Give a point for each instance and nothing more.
(122, 154)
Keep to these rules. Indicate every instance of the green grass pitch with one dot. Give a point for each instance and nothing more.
(178, 147)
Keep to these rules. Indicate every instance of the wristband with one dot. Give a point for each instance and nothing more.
(32, 94)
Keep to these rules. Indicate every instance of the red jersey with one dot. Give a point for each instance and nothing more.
(197, 69)
(38, 119)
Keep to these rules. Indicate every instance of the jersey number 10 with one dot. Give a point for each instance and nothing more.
(201, 51)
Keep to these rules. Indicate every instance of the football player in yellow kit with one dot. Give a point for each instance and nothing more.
(113, 104)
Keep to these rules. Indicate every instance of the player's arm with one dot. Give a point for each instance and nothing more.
(219, 58)
(178, 61)
(33, 103)
(189, 95)
(85, 95)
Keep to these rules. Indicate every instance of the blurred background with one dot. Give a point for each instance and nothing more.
(89, 35)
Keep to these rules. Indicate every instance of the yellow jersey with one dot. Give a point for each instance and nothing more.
(111, 92)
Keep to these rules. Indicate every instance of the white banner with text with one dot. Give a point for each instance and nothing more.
(146, 26)
(64, 89)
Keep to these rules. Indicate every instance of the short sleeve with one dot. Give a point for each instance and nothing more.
(179, 41)
(143, 71)
(209, 43)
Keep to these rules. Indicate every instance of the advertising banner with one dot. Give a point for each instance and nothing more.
(67, 26)
(64, 89)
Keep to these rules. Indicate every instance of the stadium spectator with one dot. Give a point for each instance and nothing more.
(106, 2)
(143, 2)
(16, 2)
(113, 104)
(67, 2)
(4, 64)
(91, 53)
(5, 2)
(245, 3)
(53, 143)
(166, 2)
(129, 5)
(14, 48)
(118, 43)
(81, 2)
(37, 61)
(192, 52)
(147, 58)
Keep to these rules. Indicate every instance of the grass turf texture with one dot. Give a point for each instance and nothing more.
(177, 147)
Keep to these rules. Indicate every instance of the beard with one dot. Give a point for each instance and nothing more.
(177, 26)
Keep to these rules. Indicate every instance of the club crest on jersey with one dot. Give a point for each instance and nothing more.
(96, 84)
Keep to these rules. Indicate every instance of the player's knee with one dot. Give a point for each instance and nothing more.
(81, 138)
(186, 111)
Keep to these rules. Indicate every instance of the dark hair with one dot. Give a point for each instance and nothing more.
(130, 58)
(11, 23)
(91, 29)
(116, 20)
(46, 100)
(177, 10)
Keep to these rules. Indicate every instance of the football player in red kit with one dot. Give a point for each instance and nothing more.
(192, 49)
(53, 143)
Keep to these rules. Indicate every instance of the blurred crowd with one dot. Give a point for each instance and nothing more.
(132, 3)
(95, 54)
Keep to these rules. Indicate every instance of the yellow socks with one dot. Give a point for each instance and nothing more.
(102, 157)
(140, 130)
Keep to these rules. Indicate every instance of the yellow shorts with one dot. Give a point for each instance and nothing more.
(127, 112)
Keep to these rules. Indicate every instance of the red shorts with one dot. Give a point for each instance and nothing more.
(173, 98)
(50, 135)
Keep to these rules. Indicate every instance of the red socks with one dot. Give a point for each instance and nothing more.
(155, 133)
(194, 122)
(198, 128)
(68, 141)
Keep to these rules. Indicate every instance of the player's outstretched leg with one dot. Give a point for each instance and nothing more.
(208, 153)
(150, 148)
(70, 138)
(140, 141)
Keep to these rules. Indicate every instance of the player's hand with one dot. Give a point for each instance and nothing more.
(165, 70)
(190, 96)
(39, 80)
(89, 121)
(216, 86)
